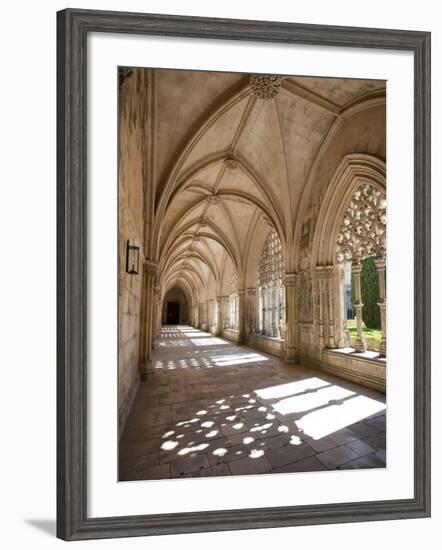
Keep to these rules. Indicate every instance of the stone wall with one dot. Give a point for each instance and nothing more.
(132, 118)
(231, 334)
(274, 346)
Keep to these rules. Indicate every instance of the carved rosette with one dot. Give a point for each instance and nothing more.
(265, 86)
(213, 199)
(231, 163)
(364, 228)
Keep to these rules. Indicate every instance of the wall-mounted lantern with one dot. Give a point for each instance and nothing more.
(132, 258)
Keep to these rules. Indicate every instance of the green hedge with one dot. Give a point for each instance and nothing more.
(371, 314)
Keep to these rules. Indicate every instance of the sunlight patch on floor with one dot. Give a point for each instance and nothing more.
(208, 342)
(238, 359)
(323, 422)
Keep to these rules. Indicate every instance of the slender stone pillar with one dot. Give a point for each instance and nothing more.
(157, 316)
(380, 265)
(241, 315)
(150, 272)
(263, 311)
(330, 289)
(291, 316)
(251, 311)
(275, 312)
(320, 304)
(356, 269)
(219, 316)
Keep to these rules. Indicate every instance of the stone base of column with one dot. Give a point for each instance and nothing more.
(290, 355)
(360, 346)
(383, 347)
(144, 371)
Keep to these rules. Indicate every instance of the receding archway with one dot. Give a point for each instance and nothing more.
(175, 308)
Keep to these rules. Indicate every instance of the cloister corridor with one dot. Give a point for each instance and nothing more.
(213, 408)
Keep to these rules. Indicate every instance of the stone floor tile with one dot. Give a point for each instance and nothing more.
(377, 441)
(188, 465)
(369, 461)
(337, 456)
(190, 400)
(158, 472)
(245, 466)
(362, 430)
(288, 454)
(344, 436)
(377, 423)
(310, 464)
(320, 445)
(360, 447)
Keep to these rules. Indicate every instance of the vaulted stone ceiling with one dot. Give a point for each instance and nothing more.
(229, 164)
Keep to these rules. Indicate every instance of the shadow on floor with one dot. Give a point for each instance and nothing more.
(47, 526)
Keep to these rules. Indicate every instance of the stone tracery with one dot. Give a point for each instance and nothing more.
(363, 230)
(271, 272)
(363, 235)
(233, 301)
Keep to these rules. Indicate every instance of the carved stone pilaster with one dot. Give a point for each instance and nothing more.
(291, 315)
(241, 315)
(251, 311)
(148, 315)
(329, 290)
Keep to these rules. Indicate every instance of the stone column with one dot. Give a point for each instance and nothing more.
(157, 316)
(241, 315)
(219, 316)
(275, 311)
(329, 289)
(356, 270)
(150, 272)
(380, 265)
(291, 316)
(263, 310)
(342, 333)
(224, 312)
(251, 311)
(206, 316)
(320, 304)
(281, 310)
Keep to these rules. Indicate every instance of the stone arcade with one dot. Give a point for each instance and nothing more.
(249, 196)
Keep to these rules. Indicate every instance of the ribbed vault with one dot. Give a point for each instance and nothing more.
(231, 165)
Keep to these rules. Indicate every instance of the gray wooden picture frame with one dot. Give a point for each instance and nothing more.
(73, 27)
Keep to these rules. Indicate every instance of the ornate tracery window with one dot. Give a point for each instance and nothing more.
(361, 236)
(271, 294)
(233, 302)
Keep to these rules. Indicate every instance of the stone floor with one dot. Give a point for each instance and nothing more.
(211, 408)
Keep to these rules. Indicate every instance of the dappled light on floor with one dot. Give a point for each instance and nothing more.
(213, 408)
(208, 342)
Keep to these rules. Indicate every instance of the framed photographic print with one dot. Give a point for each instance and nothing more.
(243, 274)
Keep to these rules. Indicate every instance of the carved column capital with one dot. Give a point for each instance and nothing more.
(290, 279)
(150, 268)
(356, 267)
(379, 263)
